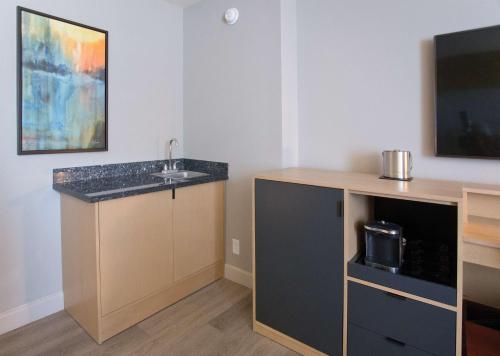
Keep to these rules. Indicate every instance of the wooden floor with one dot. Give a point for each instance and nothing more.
(214, 321)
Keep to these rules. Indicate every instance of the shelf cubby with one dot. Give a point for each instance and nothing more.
(481, 232)
(431, 230)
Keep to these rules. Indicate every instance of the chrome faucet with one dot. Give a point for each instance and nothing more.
(171, 166)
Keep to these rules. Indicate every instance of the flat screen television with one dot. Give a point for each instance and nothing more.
(468, 93)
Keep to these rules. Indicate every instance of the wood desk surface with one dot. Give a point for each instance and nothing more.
(424, 189)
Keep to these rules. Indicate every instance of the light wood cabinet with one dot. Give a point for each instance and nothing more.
(136, 248)
(481, 247)
(482, 227)
(128, 258)
(198, 228)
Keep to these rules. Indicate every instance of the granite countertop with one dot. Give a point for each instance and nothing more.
(98, 183)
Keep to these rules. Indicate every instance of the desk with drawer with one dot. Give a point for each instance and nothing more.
(311, 292)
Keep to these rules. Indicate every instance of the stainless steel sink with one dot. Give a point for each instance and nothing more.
(180, 175)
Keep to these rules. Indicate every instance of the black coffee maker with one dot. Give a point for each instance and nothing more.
(385, 245)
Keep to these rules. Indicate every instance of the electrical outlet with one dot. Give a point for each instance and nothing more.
(236, 246)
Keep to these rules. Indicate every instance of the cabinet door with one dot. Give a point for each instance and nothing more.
(136, 248)
(198, 227)
(299, 262)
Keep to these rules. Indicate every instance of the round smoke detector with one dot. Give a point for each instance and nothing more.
(231, 16)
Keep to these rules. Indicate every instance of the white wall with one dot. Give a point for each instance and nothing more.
(232, 101)
(289, 84)
(145, 109)
(366, 82)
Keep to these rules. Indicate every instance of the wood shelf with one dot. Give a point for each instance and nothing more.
(482, 205)
(482, 245)
(482, 231)
(481, 255)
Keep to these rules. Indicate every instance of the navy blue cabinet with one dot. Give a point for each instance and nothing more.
(401, 321)
(299, 262)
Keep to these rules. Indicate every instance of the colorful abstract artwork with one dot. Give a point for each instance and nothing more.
(62, 85)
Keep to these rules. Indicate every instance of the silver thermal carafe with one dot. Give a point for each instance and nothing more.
(385, 245)
(397, 164)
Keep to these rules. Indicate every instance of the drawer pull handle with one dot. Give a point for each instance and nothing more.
(340, 209)
(396, 342)
(396, 296)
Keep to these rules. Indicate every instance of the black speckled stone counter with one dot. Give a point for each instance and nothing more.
(112, 181)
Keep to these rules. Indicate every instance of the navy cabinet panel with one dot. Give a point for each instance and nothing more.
(411, 285)
(362, 342)
(299, 262)
(420, 325)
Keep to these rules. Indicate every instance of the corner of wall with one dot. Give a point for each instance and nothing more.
(237, 275)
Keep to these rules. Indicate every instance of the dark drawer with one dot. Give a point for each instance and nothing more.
(434, 291)
(362, 342)
(417, 324)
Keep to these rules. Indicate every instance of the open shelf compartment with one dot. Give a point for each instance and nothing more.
(431, 231)
(481, 234)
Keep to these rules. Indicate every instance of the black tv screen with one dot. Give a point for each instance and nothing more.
(468, 93)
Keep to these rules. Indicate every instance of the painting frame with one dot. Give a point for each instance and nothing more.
(20, 149)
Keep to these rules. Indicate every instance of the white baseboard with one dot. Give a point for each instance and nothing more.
(238, 275)
(29, 312)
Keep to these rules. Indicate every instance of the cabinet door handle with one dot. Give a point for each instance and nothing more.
(395, 342)
(395, 296)
(340, 209)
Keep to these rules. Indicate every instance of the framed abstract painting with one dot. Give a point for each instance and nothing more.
(62, 70)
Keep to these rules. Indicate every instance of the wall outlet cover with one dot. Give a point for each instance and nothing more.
(236, 246)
